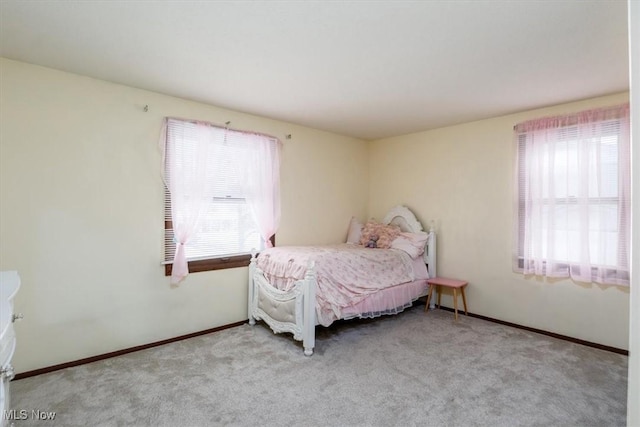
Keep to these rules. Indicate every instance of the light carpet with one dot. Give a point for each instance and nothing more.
(405, 370)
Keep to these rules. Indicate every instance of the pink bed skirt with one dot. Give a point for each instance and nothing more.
(388, 301)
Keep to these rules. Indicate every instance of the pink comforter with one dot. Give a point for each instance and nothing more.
(346, 274)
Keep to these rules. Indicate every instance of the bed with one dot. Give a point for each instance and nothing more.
(294, 289)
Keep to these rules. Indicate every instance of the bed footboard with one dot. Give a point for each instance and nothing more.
(293, 311)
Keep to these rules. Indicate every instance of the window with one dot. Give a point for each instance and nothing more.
(573, 212)
(222, 197)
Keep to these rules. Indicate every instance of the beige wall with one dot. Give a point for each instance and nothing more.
(81, 212)
(463, 178)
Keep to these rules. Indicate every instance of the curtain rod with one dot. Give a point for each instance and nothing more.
(226, 127)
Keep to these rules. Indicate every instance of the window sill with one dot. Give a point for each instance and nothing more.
(213, 264)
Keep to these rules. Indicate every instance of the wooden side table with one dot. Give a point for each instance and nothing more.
(449, 283)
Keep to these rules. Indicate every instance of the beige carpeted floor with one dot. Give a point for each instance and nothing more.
(410, 369)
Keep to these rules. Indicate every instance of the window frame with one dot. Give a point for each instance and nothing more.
(214, 263)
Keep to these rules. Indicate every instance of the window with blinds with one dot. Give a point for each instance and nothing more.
(226, 227)
(559, 202)
(227, 230)
(573, 196)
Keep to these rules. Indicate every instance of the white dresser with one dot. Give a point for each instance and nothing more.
(9, 285)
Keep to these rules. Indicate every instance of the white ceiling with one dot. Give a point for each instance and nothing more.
(368, 69)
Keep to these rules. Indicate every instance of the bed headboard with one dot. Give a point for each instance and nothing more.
(407, 221)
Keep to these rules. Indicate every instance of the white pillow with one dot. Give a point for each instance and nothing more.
(412, 243)
(355, 231)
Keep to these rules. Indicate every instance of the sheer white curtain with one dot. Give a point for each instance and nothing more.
(262, 184)
(190, 180)
(574, 196)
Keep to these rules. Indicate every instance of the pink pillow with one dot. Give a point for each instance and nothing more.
(355, 231)
(386, 233)
(411, 243)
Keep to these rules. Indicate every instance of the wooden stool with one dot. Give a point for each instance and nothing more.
(449, 283)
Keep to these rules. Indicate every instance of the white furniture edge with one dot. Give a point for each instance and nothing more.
(295, 311)
(9, 285)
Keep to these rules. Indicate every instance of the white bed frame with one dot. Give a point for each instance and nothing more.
(295, 311)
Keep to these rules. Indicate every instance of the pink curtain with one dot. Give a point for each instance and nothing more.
(575, 195)
(262, 184)
(191, 177)
(190, 182)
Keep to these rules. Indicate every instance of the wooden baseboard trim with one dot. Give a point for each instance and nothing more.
(121, 352)
(547, 333)
(53, 368)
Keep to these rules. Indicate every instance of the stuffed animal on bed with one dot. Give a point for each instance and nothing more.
(373, 241)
